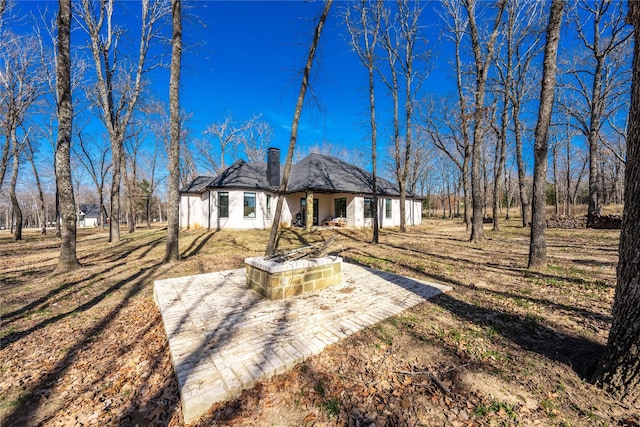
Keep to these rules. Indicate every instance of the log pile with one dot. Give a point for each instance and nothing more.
(607, 222)
(562, 221)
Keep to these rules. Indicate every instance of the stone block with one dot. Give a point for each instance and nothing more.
(282, 280)
(312, 275)
(292, 291)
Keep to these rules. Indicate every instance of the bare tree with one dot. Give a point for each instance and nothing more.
(483, 58)
(271, 245)
(526, 47)
(399, 35)
(67, 260)
(20, 87)
(228, 137)
(132, 147)
(256, 139)
(445, 128)
(599, 79)
(364, 37)
(94, 157)
(29, 154)
(456, 29)
(118, 88)
(619, 368)
(520, 24)
(171, 253)
(538, 244)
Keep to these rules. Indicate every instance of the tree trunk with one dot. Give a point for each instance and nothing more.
(42, 207)
(525, 206)
(132, 192)
(67, 260)
(556, 187)
(17, 211)
(594, 138)
(271, 246)
(5, 158)
(374, 149)
(101, 207)
(482, 63)
(507, 191)
(114, 217)
(171, 253)
(538, 244)
(619, 369)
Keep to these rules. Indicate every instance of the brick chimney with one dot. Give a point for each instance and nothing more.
(273, 166)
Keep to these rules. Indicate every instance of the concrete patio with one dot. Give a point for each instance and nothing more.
(224, 337)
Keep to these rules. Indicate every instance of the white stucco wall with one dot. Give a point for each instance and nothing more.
(88, 222)
(201, 210)
(192, 210)
(236, 219)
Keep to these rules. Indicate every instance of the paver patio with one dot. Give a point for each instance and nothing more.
(224, 336)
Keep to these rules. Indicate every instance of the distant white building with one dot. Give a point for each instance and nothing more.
(244, 196)
(88, 215)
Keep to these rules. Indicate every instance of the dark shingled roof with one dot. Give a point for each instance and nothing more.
(89, 210)
(244, 175)
(198, 185)
(322, 173)
(316, 172)
(239, 175)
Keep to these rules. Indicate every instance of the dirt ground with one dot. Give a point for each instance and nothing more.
(507, 346)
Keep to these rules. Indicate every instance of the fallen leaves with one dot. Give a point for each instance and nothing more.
(89, 348)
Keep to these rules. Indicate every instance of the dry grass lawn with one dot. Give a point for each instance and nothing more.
(507, 346)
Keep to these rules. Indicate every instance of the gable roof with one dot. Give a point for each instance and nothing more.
(316, 172)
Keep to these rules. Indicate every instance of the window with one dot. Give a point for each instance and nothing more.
(368, 207)
(249, 205)
(340, 208)
(268, 213)
(223, 204)
(387, 208)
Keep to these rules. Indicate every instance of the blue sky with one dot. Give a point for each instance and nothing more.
(244, 58)
(251, 62)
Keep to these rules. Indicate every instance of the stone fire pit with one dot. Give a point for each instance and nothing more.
(278, 280)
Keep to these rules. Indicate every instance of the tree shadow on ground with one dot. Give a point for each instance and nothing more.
(17, 335)
(218, 336)
(198, 243)
(30, 401)
(579, 353)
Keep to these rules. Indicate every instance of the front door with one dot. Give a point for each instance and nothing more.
(303, 211)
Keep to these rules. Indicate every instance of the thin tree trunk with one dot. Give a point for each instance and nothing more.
(556, 187)
(374, 142)
(568, 179)
(619, 368)
(116, 177)
(525, 206)
(171, 253)
(42, 207)
(593, 138)
(17, 211)
(538, 244)
(67, 260)
(271, 246)
(507, 191)
(101, 207)
(482, 63)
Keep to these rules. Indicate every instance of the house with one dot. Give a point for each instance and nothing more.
(244, 196)
(88, 215)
